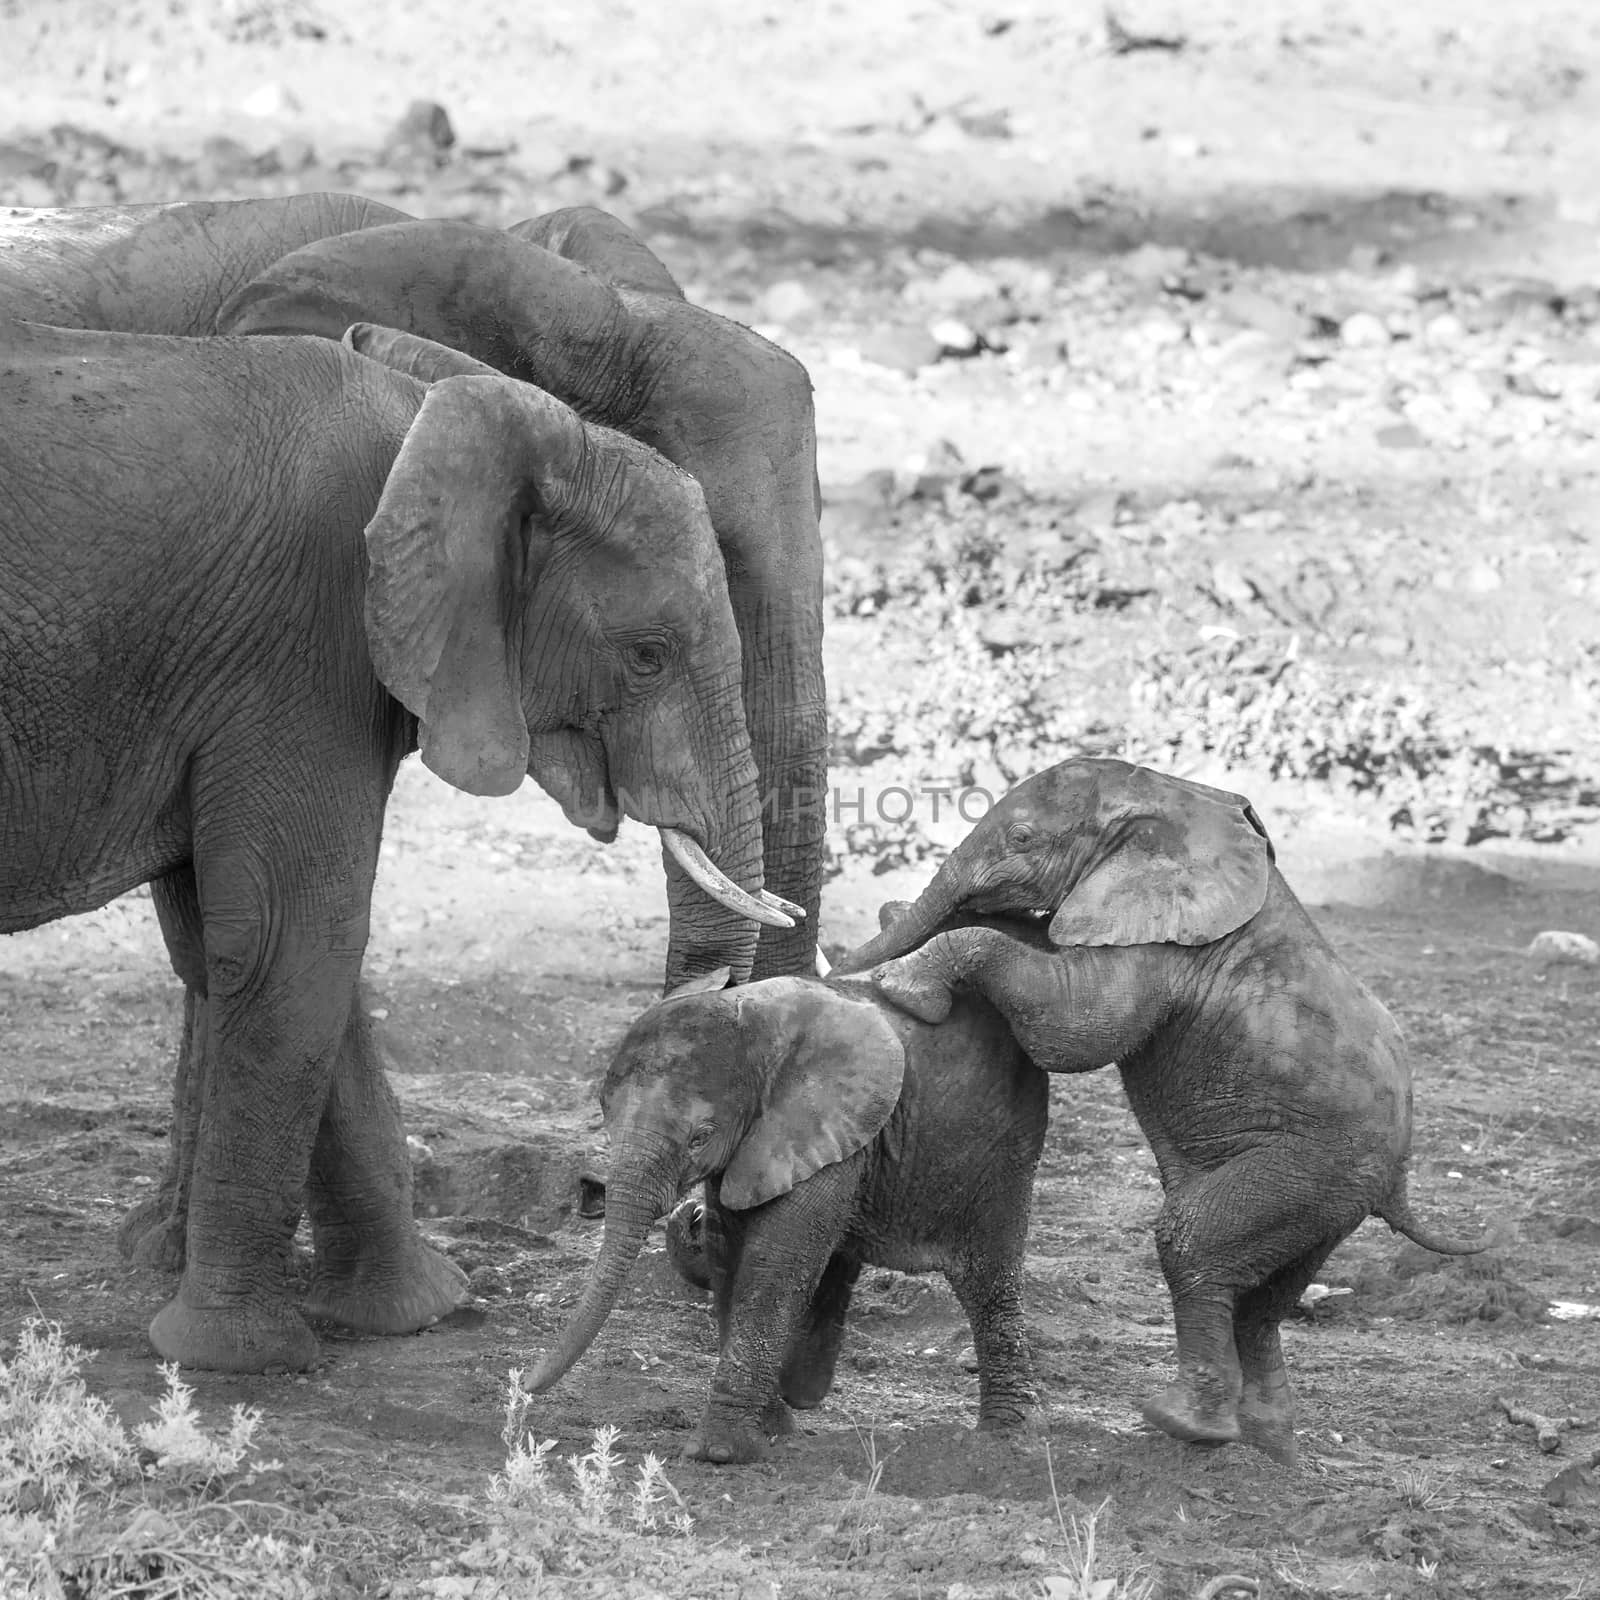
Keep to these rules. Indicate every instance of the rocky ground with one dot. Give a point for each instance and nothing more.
(1211, 388)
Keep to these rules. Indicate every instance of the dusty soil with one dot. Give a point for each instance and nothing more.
(1281, 350)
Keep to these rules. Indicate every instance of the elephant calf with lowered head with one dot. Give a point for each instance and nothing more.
(223, 622)
(1272, 1085)
(834, 1131)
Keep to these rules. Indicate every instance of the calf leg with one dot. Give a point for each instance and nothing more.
(989, 1287)
(766, 1264)
(1222, 1234)
(1266, 1403)
(814, 1351)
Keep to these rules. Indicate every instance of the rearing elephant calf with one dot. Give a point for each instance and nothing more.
(1272, 1086)
(239, 580)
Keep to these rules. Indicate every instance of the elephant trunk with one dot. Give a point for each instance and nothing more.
(635, 1197)
(933, 907)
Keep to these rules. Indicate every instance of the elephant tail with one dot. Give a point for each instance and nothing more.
(1396, 1211)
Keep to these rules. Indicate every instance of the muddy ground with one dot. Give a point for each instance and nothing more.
(1230, 404)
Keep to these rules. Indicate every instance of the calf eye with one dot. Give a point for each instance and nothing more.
(1019, 836)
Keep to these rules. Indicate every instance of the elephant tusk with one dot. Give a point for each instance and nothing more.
(776, 902)
(717, 883)
(824, 965)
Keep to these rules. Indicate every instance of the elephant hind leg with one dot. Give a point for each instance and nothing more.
(1266, 1404)
(373, 1272)
(989, 1287)
(813, 1353)
(1223, 1235)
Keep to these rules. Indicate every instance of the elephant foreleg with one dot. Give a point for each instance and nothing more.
(152, 1233)
(989, 1287)
(766, 1264)
(1266, 1403)
(373, 1272)
(813, 1354)
(1072, 1009)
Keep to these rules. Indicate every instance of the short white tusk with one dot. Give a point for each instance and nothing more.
(824, 965)
(778, 903)
(717, 883)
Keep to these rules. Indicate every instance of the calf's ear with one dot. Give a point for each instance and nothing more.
(835, 1067)
(1173, 862)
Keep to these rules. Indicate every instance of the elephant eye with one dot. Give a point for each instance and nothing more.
(648, 657)
(701, 1137)
(1019, 836)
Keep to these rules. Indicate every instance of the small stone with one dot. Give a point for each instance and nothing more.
(486, 1281)
(294, 153)
(1231, 584)
(1161, 331)
(1363, 331)
(1556, 947)
(1151, 263)
(1185, 147)
(222, 158)
(788, 300)
(1445, 329)
(1482, 578)
(954, 337)
(1366, 257)
(1400, 436)
(270, 100)
(902, 349)
(423, 130)
(1249, 308)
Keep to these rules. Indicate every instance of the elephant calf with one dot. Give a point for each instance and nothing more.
(1272, 1086)
(834, 1132)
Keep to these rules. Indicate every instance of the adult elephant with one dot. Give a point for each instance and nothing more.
(575, 303)
(222, 626)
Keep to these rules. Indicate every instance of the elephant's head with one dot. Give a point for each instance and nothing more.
(762, 1085)
(547, 597)
(615, 338)
(1107, 853)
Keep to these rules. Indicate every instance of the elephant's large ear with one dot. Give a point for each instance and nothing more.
(1173, 863)
(595, 239)
(485, 461)
(411, 354)
(837, 1066)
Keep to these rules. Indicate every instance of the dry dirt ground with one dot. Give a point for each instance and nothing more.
(1279, 348)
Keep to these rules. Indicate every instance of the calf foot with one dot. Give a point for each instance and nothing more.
(1266, 1421)
(1187, 1412)
(1016, 1413)
(241, 1336)
(730, 1435)
(908, 985)
(777, 1420)
(398, 1290)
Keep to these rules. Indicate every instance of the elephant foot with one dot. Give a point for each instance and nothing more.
(241, 1337)
(382, 1295)
(906, 984)
(1185, 1414)
(1266, 1421)
(1015, 1413)
(729, 1436)
(686, 1242)
(154, 1235)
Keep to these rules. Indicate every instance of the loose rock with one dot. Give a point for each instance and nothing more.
(1363, 331)
(787, 301)
(1557, 947)
(902, 349)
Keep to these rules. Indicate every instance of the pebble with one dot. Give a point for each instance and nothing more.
(902, 349)
(1557, 947)
(423, 129)
(1446, 329)
(955, 337)
(959, 284)
(787, 301)
(1400, 436)
(1363, 331)
(1250, 308)
(1151, 263)
(270, 100)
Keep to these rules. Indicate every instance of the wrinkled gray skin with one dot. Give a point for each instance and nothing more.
(834, 1132)
(221, 629)
(1273, 1087)
(575, 303)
